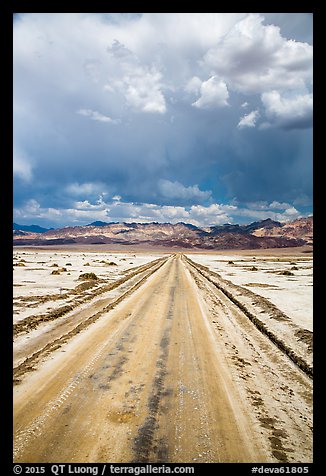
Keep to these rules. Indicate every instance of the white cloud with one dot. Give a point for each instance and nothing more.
(97, 116)
(215, 214)
(193, 85)
(117, 210)
(139, 83)
(213, 93)
(288, 112)
(254, 58)
(249, 120)
(279, 206)
(245, 104)
(85, 189)
(143, 91)
(176, 190)
(83, 212)
(263, 205)
(262, 210)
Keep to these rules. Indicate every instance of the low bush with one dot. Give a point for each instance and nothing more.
(286, 273)
(88, 276)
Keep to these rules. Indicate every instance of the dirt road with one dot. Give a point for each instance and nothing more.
(175, 372)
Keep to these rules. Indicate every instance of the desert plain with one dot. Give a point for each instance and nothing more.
(164, 356)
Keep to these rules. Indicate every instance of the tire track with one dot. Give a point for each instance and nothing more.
(301, 363)
(154, 382)
(34, 430)
(278, 393)
(145, 447)
(28, 365)
(32, 322)
(102, 374)
(144, 443)
(113, 365)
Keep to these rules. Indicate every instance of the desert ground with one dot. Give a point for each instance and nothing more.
(175, 357)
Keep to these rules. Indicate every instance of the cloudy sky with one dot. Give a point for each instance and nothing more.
(197, 117)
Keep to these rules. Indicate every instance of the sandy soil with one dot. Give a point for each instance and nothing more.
(37, 290)
(263, 274)
(159, 363)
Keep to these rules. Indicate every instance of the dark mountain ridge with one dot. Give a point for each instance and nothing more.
(262, 234)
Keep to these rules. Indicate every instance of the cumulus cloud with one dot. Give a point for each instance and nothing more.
(275, 210)
(175, 190)
(249, 120)
(86, 189)
(214, 214)
(32, 210)
(213, 93)
(253, 57)
(85, 211)
(193, 85)
(118, 210)
(140, 84)
(294, 112)
(143, 91)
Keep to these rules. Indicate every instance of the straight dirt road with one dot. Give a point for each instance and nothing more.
(175, 372)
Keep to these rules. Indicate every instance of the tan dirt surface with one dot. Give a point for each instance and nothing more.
(173, 372)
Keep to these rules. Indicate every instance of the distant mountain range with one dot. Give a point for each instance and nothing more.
(261, 234)
(31, 228)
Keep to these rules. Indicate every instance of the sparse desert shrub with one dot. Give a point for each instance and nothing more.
(295, 268)
(86, 264)
(53, 265)
(19, 264)
(88, 276)
(253, 268)
(111, 263)
(55, 271)
(286, 272)
(230, 262)
(62, 270)
(68, 264)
